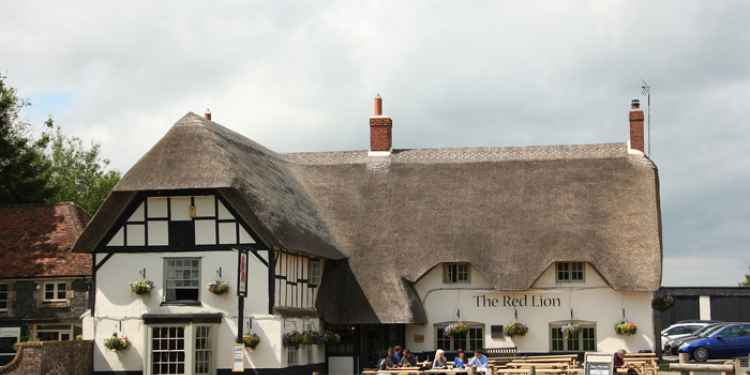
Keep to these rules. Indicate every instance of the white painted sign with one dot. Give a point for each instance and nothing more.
(599, 364)
(10, 332)
(238, 365)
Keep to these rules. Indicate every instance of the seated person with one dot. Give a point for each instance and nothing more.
(440, 361)
(385, 362)
(479, 361)
(408, 359)
(396, 355)
(460, 360)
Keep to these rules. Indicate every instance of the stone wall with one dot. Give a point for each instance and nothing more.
(51, 358)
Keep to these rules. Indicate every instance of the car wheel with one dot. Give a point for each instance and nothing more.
(700, 354)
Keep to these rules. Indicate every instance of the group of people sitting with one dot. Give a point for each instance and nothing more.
(396, 357)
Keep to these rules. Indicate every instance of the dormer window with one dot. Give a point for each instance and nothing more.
(455, 273)
(570, 271)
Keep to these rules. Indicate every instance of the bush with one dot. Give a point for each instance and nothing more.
(626, 328)
(116, 343)
(141, 286)
(516, 329)
(218, 287)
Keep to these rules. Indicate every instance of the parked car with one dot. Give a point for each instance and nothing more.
(682, 329)
(671, 347)
(730, 341)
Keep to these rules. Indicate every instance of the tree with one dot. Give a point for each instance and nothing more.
(25, 171)
(746, 282)
(79, 174)
(51, 168)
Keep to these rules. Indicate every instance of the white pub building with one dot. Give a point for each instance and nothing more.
(211, 237)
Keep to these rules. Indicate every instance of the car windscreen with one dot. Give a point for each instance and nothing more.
(705, 331)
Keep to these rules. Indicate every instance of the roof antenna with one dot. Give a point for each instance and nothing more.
(646, 90)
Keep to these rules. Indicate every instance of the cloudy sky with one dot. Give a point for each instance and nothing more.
(301, 76)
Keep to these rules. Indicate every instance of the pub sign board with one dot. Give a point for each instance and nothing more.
(242, 273)
(599, 364)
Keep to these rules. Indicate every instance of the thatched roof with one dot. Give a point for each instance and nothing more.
(510, 212)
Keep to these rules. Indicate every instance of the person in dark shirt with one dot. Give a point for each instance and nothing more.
(408, 359)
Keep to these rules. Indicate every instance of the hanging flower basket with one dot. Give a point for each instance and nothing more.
(218, 287)
(251, 341)
(292, 339)
(330, 337)
(626, 328)
(516, 329)
(662, 303)
(116, 343)
(570, 330)
(141, 287)
(456, 329)
(312, 338)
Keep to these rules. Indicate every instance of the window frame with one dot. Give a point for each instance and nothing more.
(470, 338)
(55, 291)
(8, 335)
(315, 278)
(57, 328)
(211, 344)
(448, 273)
(166, 300)
(7, 297)
(187, 346)
(292, 352)
(581, 340)
(570, 271)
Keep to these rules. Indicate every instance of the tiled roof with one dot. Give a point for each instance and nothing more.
(36, 241)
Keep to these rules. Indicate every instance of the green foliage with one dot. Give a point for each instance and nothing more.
(79, 173)
(746, 282)
(25, 171)
(51, 168)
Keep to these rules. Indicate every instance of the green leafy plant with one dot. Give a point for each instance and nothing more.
(218, 287)
(570, 330)
(312, 338)
(116, 343)
(292, 339)
(516, 329)
(626, 328)
(662, 303)
(251, 341)
(455, 329)
(142, 286)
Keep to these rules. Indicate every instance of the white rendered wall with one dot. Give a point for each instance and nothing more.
(120, 311)
(592, 300)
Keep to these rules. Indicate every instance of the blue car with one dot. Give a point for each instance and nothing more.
(733, 340)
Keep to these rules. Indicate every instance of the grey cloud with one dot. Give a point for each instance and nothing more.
(301, 76)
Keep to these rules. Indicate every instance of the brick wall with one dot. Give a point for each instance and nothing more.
(51, 358)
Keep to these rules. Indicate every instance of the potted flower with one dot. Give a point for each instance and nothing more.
(251, 341)
(116, 343)
(626, 328)
(141, 286)
(218, 287)
(516, 329)
(570, 330)
(312, 338)
(330, 337)
(293, 339)
(456, 329)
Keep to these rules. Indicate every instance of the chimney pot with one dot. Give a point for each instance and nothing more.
(378, 110)
(380, 129)
(636, 118)
(208, 114)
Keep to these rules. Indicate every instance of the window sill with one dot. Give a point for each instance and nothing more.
(55, 304)
(182, 303)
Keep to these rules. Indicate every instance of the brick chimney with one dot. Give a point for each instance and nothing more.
(208, 114)
(636, 126)
(380, 130)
